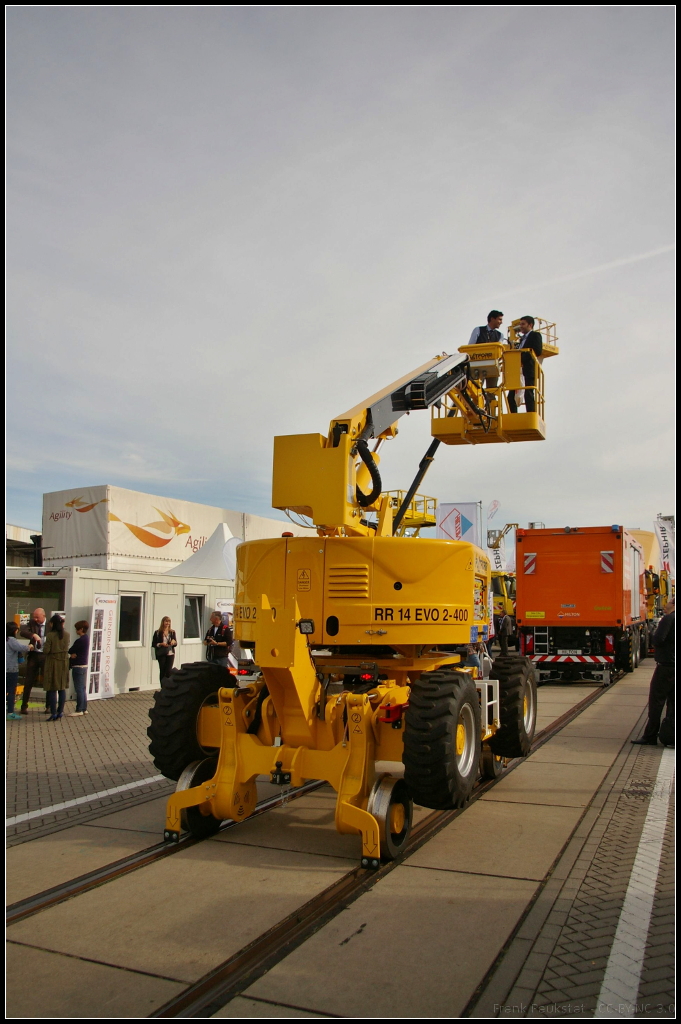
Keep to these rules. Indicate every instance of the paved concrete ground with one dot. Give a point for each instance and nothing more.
(451, 918)
(475, 916)
(51, 763)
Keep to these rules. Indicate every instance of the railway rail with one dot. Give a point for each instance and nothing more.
(237, 972)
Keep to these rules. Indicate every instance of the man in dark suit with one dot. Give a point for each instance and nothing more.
(530, 341)
(662, 683)
(35, 660)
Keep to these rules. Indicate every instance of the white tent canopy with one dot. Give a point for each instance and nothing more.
(216, 560)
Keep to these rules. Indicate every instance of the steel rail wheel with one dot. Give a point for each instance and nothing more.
(174, 743)
(491, 764)
(442, 739)
(198, 820)
(391, 806)
(518, 700)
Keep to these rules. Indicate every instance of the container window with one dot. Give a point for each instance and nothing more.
(193, 617)
(130, 619)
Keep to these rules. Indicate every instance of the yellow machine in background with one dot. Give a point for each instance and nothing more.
(359, 631)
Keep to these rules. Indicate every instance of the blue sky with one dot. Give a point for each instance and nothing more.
(226, 223)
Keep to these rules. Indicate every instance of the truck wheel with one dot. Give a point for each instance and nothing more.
(175, 712)
(518, 699)
(442, 739)
(192, 818)
(644, 644)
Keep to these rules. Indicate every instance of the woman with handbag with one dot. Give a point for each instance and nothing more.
(164, 643)
(56, 674)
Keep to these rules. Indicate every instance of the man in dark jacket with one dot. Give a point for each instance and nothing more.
(530, 341)
(662, 683)
(218, 640)
(35, 660)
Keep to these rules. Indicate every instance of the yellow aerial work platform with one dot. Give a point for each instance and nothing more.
(455, 420)
(360, 634)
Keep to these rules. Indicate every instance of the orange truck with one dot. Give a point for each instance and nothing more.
(581, 602)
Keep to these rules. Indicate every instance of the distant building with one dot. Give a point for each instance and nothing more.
(108, 527)
(22, 546)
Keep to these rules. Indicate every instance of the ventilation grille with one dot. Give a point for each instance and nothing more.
(347, 581)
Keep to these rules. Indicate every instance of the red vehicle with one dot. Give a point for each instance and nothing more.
(580, 601)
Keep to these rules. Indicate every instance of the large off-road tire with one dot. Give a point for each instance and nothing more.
(518, 700)
(175, 712)
(645, 643)
(442, 739)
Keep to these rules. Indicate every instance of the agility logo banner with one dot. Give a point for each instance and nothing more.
(458, 522)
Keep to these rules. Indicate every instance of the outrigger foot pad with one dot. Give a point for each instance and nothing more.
(171, 837)
(371, 862)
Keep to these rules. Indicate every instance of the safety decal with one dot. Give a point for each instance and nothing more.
(607, 561)
(304, 579)
(594, 659)
(529, 562)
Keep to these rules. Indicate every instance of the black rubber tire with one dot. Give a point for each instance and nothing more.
(431, 768)
(172, 733)
(201, 825)
(644, 643)
(517, 680)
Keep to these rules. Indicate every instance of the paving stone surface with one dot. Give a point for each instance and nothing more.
(563, 973)
(50, 763)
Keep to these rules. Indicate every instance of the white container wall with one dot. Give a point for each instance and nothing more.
(144, 598)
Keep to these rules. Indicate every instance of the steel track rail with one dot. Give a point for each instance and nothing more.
(116, 869)
(219, 986)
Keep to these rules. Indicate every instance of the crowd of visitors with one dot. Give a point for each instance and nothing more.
(48, 659)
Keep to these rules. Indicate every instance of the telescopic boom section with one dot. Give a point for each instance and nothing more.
(335, 480)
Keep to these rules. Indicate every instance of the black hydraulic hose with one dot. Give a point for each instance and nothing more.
(364, 500)
(424, 466)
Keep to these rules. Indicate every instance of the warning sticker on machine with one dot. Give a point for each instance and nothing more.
(535, 615)
(421, 614)
(304, 579)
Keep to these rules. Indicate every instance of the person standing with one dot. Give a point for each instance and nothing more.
(56, 671)
(35, 631)
(218, 641)
(530, 341)
(490, 332)
(662, 683)
(15, 650)
(78, 653)
(165, 642)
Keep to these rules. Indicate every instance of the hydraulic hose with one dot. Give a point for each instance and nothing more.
(424, 466)
(364, 500)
